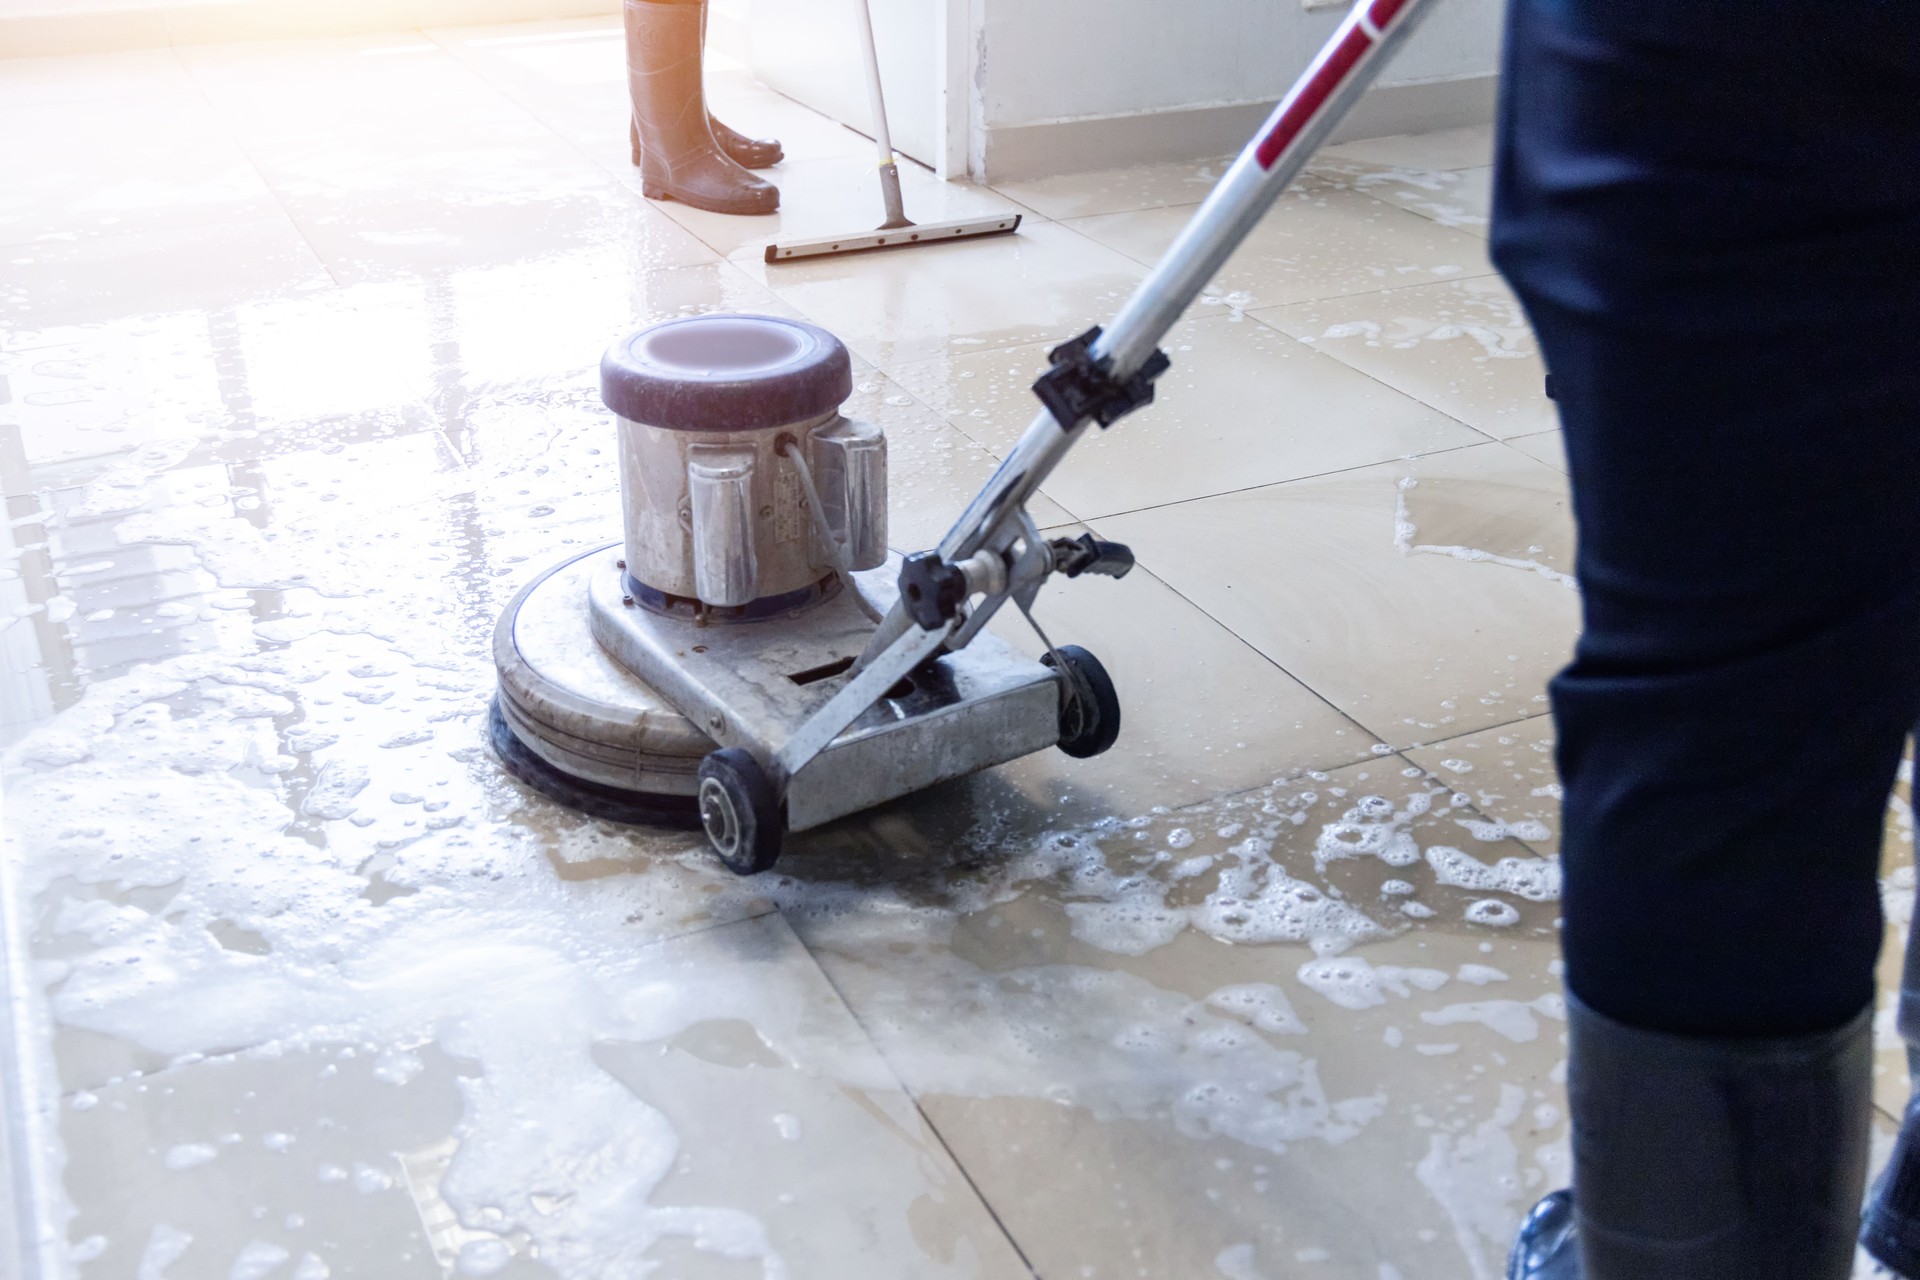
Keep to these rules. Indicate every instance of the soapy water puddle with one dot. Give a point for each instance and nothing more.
(299, 957)
(288, 929)
(1451, 198)
(304, 853)
(1406, 534)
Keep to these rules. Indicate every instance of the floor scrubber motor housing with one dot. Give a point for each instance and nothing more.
(660, 678)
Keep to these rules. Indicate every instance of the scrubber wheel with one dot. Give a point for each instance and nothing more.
(740, 811)
(1089, 706)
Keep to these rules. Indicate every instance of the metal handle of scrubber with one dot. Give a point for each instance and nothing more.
(1105, 374)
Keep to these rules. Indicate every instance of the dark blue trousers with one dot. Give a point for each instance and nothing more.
(1711, 211)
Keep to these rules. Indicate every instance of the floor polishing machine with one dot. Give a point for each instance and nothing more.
(751, 657)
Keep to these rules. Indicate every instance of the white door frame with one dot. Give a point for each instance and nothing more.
(956, 87)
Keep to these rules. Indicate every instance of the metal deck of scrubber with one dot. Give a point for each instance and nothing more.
(748, 685)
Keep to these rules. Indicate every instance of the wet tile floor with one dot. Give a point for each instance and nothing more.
(299, 346)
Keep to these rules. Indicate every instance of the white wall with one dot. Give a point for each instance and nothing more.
(810, 51)
(1050, 60)
(1063, 84)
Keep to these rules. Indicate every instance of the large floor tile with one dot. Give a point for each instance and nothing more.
(1241, 406)
(1546, 446)
(1508, 772)
(1153, 186)
(553, 69)
(1468, 147)
(1508, 775)
(1203, 713)
(104, 165)
(155, 271)
(1445, 176)
(160, 558)
(1044, 283)
(572, 75)
(1463, 346)
(933, 470)
(140, 73)
(477, 334)
(1461, 198)
(1317, 242)
(121, 403)
(714, 1108)
(280, 95)
(1422, 611)
(400, 206)
(1364, 1084)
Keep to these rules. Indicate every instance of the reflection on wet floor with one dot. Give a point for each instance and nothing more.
(306, 987)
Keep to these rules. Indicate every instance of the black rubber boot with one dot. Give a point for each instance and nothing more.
(1706, 1158)
(1891, 1228)
(1545, 1249)
(673, 145)
(749, 153)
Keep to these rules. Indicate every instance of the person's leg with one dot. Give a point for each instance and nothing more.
(1702, 210)
(672, 137)
(749, 153)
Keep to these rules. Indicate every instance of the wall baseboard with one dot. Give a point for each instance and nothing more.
(1109, 142)
(52, 32)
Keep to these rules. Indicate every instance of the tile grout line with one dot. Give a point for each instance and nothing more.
(1334, 297)
(1261, 654)
(1398, 753)
(572, 144)
(1280, 666)
(432, 36)
(279, 203)
(959, 1166)
(1250, 314)
(1523, 453)
(1275, 663)
(958, 424)
(1317, 475)
(1368, 374)
(1337, 181)
(1474, 803)
(618, 178)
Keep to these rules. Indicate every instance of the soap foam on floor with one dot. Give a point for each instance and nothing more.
(247, 884)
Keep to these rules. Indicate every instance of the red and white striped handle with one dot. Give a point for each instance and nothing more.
(1365, 30)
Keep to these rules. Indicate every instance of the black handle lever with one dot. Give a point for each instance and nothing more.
(1088, 554)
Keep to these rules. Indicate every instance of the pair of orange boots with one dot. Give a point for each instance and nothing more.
(683, 153)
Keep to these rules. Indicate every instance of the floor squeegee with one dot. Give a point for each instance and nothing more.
(753, 658)
(896, 231)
